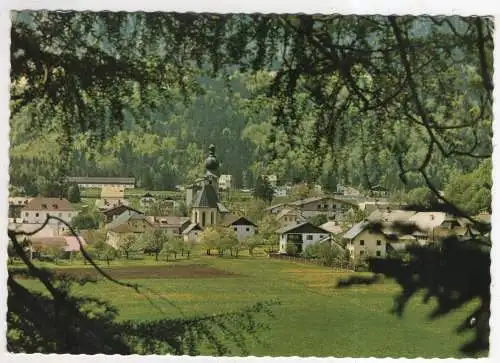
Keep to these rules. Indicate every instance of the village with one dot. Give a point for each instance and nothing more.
(343, 221)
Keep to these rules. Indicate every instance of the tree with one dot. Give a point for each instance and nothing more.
(263, 189)
(154, 241)
(130, 243)
(253, 242)
(421, 197)
(74, 193)
(210, 239)
(86, 220)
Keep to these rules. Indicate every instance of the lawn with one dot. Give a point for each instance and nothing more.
(313, 319)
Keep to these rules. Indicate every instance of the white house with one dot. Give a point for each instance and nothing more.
(242, 226)
(272, 179)
(301, 236)
(37, 210)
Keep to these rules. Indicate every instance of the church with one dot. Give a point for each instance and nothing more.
(203, 197)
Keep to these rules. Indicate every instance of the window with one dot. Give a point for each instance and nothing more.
(378, 253)
(26, 214)
(37, 214)
(248, 229)
(212, 218)
(362, 242)
(379, 242)
(203, 219)
(309, 237)
(235, 229)
(319, 206)
(361, 253)
(59, 215)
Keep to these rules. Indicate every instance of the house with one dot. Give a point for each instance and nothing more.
(105, 204)
(101, 182)
(111, 213)
(129, 222)
(362, 241)
(192, 232)
(225, 181)
(290, 216)
(37, 210)
(16, 204)
(333, 208)
(300, 236)
(275, 209)
(146, 200)
(172, 224)
(125, 223)
(242, 226)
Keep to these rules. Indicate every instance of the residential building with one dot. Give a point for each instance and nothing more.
(280, 192)
(127, 222)
(37, 210)
(16, 204)
(290, 216)
(104, 204)
(112, 213)
(100, 182)
(272, 179)
(300, 236)
(363, 241)
(242, 226)
(192, 233)
(172, 224)
(276, 209)
(333, 208)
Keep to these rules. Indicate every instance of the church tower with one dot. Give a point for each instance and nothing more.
(207, 209)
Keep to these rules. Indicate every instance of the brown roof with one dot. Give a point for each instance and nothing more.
(168, 221)
(48, 204)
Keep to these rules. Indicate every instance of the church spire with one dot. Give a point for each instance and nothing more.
(211, 163)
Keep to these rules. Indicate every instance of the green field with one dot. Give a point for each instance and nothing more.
(313, 319)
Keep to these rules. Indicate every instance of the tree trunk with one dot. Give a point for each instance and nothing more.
(156, 256)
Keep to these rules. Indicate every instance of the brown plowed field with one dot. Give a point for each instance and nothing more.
(151, 272)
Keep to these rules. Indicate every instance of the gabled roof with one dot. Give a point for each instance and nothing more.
(356, 229)
(48, 204)
(207, 198)
(274, 206)
(148, 195)
(301, 202)
(222, 208)
(192, 227)
(332, 226)
(237, 221)
(292, 210)
(305, 227)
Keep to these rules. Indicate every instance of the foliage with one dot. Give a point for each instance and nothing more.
(263, 189)
(74, 194)
(86, 220)
(328, 254)
(154, 241)
(318, 219)
(421, 197)
(471, 192)
(130, 243)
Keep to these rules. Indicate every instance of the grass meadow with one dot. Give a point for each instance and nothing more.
(314, 318)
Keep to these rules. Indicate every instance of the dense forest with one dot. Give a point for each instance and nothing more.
(165, 147)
